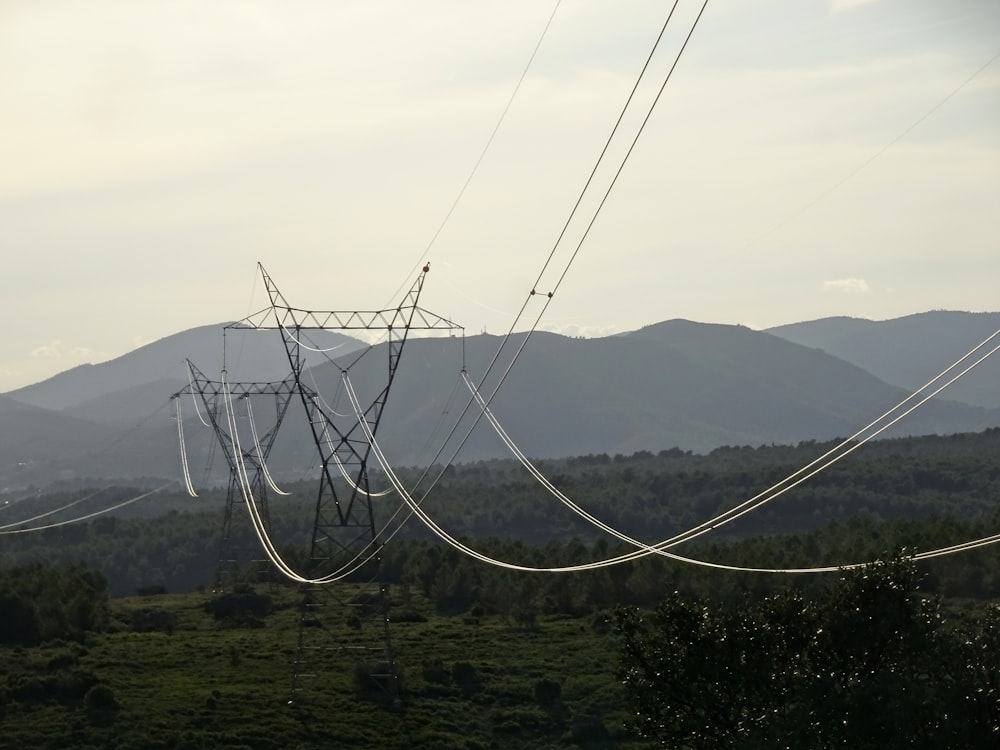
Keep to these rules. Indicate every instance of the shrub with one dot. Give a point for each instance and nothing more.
(377, 679)
(148, 620)
(547, 692)
(241, 608)
(28, 689)
(466, 677)
(100, 698)
(409, 615)
(435, 671)
(19, 623)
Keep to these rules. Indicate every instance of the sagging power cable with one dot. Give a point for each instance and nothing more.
(660, 548)
(260, 452)
(48, 513)
(88, 516)
(548, 298)
(842, 450)
(182, 445)
(482, 154)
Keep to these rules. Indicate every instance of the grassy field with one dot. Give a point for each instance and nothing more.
(170, 675)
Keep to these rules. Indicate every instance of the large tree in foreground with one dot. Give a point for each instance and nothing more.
(868, 663)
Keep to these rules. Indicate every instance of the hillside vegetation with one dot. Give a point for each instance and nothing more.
(172, 540)
(114, 637)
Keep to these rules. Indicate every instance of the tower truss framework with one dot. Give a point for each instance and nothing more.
(352, 616)
(240, 556)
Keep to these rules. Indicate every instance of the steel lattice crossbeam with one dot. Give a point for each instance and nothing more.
(330, 320)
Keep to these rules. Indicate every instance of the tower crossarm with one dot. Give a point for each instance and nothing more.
(214, 393)
(294, 318)
(281, 315)
(238, 390)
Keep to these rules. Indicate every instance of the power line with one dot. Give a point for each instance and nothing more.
(486, 147)
(88, 516)
(549, 257)
(654, 549)
(850, 175)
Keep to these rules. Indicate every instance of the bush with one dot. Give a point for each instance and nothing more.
(548, 692)
(243, 607)
(100, 698)
(409, 615)
(148, 620)
(466, 677)
(28, 689)
(435, 671)
(19, 623)
(377, 679)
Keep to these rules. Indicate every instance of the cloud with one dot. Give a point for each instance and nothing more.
(56, 349)
(837, 6)
(582, 331)
(850, 285)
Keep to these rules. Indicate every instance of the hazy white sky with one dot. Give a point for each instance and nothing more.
(152, 152)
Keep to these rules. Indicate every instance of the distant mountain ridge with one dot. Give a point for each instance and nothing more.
(909, 351)
(676, 383)
(252, 355)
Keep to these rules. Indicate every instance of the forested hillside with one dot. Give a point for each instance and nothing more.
(931, 489)
(107, 654)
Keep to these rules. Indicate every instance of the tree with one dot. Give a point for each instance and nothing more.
(868, 663)
(18, 624)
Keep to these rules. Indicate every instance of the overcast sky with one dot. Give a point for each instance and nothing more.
(809, 158)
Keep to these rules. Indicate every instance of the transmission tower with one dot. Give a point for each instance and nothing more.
(240, 559)
(352, 616)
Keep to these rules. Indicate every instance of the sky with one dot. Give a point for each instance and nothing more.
(808, 158)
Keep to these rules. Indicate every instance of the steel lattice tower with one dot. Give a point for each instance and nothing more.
(241, 563)
(352, 615)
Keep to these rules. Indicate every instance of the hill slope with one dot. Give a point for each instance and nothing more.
(677, 383)
(909, 351)
(250, 355)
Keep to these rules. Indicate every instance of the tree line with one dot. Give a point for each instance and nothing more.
(918, 492)
(41, 603)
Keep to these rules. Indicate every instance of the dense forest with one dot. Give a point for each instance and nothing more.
(921, 493)
(114, 636)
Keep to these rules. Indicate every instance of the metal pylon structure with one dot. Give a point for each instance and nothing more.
(351, 616)
(241, 562)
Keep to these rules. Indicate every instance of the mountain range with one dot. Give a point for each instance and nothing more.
(677, 383)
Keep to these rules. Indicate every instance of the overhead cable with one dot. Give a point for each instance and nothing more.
(185, 469)
(88, 516)
(486, 147)
(61, 508)
(260, 452)
(840, 451)
(531, 295)
(659, 548)
(192, 388)
(850, 175)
